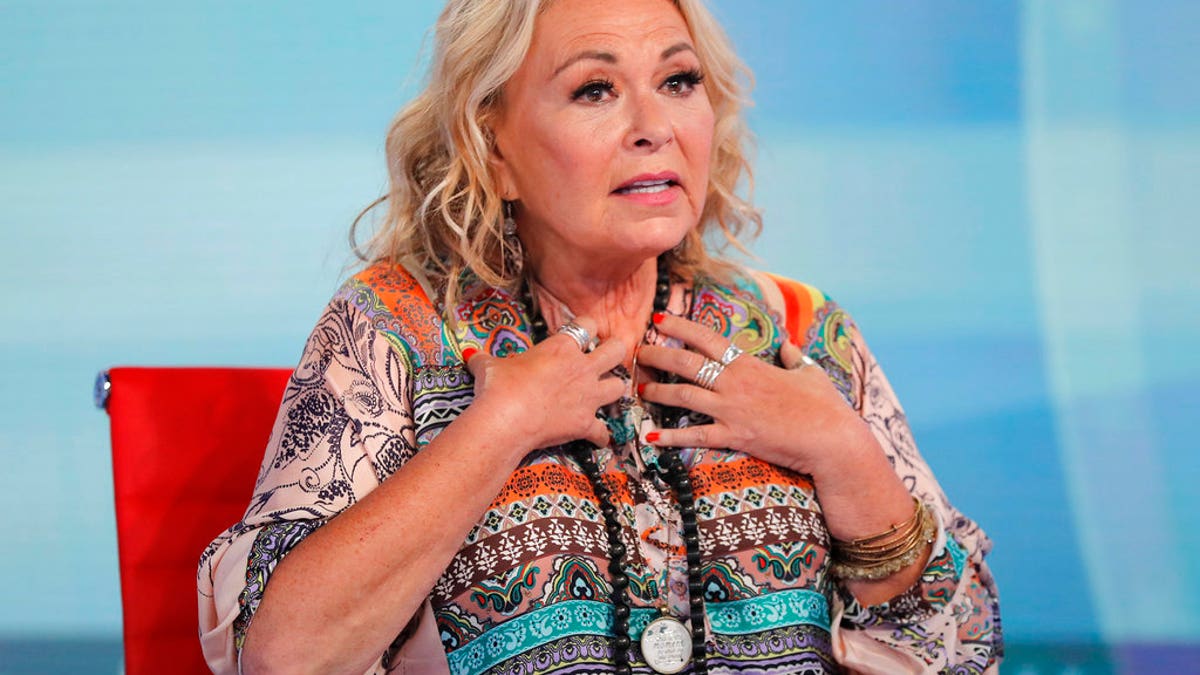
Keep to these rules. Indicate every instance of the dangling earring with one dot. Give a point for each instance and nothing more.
(514, 253)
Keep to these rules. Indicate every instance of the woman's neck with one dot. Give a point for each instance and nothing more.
(620, 305)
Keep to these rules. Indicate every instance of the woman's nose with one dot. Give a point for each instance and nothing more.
(649, 123)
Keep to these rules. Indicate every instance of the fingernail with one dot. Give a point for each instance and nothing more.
(657, 317)
(652, 437)
(641, 388)
(468, 353)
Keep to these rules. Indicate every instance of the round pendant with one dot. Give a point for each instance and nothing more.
(667, 645)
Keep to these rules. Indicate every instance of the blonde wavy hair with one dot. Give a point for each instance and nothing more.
(444, 210)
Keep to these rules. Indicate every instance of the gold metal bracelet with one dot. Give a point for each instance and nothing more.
(904, 544)
(874, 538)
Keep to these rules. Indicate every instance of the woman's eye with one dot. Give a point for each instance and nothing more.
(595, 91)
(681, 84)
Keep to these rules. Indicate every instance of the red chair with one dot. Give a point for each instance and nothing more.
(186, 447)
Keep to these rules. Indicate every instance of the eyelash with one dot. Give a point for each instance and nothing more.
(691, 78)
(688, 78)
(591, 85)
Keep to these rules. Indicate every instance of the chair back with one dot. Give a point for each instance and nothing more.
(186, 447)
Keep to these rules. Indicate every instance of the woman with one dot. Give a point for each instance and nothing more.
(637, 491)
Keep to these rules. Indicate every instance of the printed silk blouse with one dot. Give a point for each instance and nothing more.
(528, 591)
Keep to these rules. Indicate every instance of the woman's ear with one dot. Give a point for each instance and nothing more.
(502, 174)
(497, 133)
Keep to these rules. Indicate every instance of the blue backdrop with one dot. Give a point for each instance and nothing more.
(1002, 193)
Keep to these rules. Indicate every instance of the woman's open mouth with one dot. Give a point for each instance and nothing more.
(654, 189)
(646, 187)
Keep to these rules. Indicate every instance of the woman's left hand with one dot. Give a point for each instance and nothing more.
(794, 418)
(791, 417)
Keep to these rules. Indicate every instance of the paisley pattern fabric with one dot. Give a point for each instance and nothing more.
(272, 543)
(382, 375)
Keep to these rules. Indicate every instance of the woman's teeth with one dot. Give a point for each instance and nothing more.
(649, 188)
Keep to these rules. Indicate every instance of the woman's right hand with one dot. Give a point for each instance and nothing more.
(549, 394)
(339, 598)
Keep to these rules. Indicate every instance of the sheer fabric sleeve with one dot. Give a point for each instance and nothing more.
(344, 425)
(949, 621)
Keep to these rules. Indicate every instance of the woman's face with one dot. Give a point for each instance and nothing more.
(604, 134)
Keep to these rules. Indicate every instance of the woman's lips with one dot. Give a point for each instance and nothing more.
(651, 189)
(646, 188)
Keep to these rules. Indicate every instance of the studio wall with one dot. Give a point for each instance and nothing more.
(1003, 194)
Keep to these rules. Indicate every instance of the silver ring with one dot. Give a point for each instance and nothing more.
(805, 361)
(731, 353)
(709, 372)
(578, 333)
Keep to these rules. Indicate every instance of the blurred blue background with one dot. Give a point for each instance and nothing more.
(1002, 193)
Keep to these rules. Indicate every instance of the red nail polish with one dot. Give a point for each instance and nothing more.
(657, 317)
(468, 353)
(652, 437)
(641, 388)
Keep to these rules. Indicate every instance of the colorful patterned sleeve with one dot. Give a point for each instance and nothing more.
(344, 425)
(949, 621)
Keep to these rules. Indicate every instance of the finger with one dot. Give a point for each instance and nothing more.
(608, 355)
(687, 396)
(671, 360)
(704, 340)
(794, 358)
(790, 355)
(476, 361)
(609, 390)
(597, 433)
(586, 323)
(702, 436)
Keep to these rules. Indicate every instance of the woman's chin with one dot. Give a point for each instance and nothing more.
(656, 233)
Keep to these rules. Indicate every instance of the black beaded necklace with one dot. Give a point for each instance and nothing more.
(671, 470)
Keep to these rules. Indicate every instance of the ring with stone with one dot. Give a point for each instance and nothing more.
(579, 334)
(707, 375)
(731, 352)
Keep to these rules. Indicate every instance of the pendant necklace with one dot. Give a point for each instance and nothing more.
(666, 640)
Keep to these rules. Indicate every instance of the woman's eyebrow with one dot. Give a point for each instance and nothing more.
(606, 57)
(609, 57)
(675, 49)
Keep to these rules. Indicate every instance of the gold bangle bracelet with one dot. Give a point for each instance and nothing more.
(884, 554)
(909, 524)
